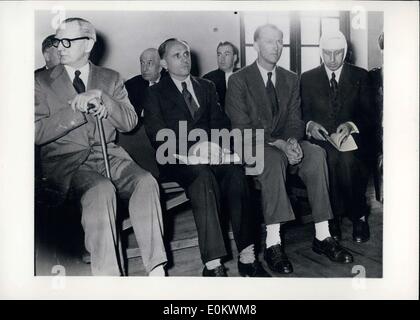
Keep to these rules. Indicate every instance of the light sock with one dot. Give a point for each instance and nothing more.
(273, 235)
(213, 264)
(322, 231)
(158, 271)
(363, 218)
(247, 255)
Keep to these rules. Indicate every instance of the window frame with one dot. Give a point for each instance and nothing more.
(295, 44)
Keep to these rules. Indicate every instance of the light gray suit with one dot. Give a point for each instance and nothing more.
(248, 107)
(72, 164)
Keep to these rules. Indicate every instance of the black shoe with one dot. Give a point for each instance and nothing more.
(277, 259)
(254, 269)
(335, 230)
(219, 271)
(332, 249)
(361, 231)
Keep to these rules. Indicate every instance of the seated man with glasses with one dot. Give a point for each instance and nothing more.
(68, 101)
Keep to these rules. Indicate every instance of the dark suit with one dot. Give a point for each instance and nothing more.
(377, 92)
(72, 163)
(248, 106)
(347, 170)
(219, 79)
(41, 69)
(211, 188)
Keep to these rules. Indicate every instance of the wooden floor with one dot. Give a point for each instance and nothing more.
(181, 232)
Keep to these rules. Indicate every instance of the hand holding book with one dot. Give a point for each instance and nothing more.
(341, 142)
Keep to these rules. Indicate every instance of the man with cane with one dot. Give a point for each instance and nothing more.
(78, 108)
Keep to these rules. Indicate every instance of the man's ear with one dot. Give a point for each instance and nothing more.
(46, 55)
(89, 45)
(235, 59)
(163, 64)
(256, 47)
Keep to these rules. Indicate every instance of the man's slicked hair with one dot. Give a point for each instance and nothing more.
(227, 43)
(163, 47)
(86, 28)
(48, 42)
(260, 28)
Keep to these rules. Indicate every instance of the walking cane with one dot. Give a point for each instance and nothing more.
(112, 220)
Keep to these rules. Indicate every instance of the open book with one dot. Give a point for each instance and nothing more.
(347, 145)
(193, 159)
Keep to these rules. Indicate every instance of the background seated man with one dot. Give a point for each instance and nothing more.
(227, 58)
(336, 99)
(265, 96)
(50, 54)
(136, 142)
(211, 188)
(71, 155)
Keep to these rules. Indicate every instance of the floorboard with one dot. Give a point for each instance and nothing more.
(181, 231)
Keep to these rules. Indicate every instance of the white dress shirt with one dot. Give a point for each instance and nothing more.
(264, 74)
(189, 87)
(336, 72)
(227, 76)
(84, 73)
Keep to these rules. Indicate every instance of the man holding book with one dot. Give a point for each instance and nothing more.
(336, 108)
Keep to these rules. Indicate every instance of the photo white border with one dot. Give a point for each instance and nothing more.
(401, 178)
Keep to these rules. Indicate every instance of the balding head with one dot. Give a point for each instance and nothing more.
(150, 64)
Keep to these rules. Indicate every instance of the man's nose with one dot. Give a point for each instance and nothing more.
(184, 59)
(60, 47)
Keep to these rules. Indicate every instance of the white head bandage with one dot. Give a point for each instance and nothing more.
(332, 41)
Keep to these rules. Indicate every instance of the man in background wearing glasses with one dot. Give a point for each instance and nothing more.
(68, 100)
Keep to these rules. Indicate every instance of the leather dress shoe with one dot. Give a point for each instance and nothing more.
(335, 230)
(219, 271)
(277, 259)
(254, 269)
(361, 231)
(332, 249)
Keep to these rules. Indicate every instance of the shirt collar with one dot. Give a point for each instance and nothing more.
(84, 72)
(264, 74)
(227, 76)
(178, 83)
(336, 72)
(151, 83)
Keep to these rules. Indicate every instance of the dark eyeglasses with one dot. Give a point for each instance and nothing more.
(66, 42)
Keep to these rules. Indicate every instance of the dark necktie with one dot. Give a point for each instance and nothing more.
(78, 83)
(271, 93)
(334, 98)
(189, 100)
(334, 84)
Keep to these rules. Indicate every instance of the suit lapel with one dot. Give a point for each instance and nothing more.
(325, 82)
(172, 92)
(61, 83)
(258, 92)
(283, 93)
(93, 77)
(222, 78)
(345, 84)
(199, 92)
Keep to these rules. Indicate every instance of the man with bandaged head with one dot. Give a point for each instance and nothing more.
(335, 99)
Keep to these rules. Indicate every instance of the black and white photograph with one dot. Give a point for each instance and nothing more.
(186, 140)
